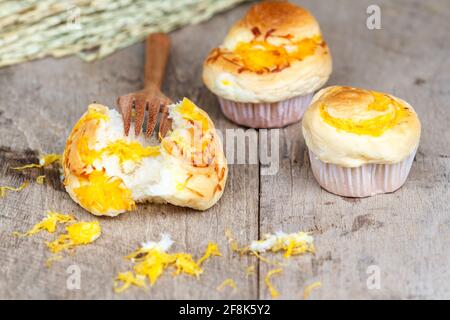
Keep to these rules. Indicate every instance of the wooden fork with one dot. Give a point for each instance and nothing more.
(150, 99)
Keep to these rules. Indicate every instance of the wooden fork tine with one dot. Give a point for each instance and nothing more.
(153, 110)
(140, 106)
(126, 108)
(165, 123)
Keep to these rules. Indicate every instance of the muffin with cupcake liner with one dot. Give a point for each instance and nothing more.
(360, 142)
(269, 65)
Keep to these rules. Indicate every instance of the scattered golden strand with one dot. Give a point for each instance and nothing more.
(151, 260)
(48, 159)
(40, 179)
(127, 279)
(32, 29)
(250, 270)
(211, 250)
(263, 259)
(3, 189)
(311, 287)
(48, 223)
(292, 244)
(44, 160)
(273, 292)
(28, 166)
(227, 283)
(79, 233)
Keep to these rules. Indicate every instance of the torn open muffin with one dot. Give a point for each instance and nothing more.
(107, 172)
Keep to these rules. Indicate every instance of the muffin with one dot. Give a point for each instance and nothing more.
(269, 65)
(107, 172)
(360, 142)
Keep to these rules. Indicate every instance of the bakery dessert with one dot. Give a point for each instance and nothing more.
(269, 65)
(360, 142)
(107, 172)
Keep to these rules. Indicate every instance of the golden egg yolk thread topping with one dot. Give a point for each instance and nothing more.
(150, 261)
(3, 189)
(102, 193)
(261, 56)
(391, 113)
(48, 224)
(77, 234)
(130, 151)
(292, 244)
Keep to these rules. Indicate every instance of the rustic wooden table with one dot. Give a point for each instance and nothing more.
(405, 235)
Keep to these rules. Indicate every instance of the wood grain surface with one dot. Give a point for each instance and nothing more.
(404, 234)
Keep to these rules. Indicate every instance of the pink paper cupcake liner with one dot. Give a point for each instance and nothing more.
(366, 180)
(266, 115)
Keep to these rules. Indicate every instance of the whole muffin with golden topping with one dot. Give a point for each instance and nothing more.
(360, 142)
(107, 172)
(269, 65)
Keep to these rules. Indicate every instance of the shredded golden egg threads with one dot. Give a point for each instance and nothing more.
(40, 179)
(79, 233)
(184, 263)
(48, 223)
(386, 113)
(48, 159)
(3, 189)
(227, 283)
(308, 289)
(124, 150)
(273, 292)
(292, 244)
(152, 259)
(127, 279)
(250, 270)
(191, 112)
(211, 250)
(261, 56)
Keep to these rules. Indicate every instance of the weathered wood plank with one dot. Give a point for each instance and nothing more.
(405, 233)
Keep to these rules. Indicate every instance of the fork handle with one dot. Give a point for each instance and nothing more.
(156, 54)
